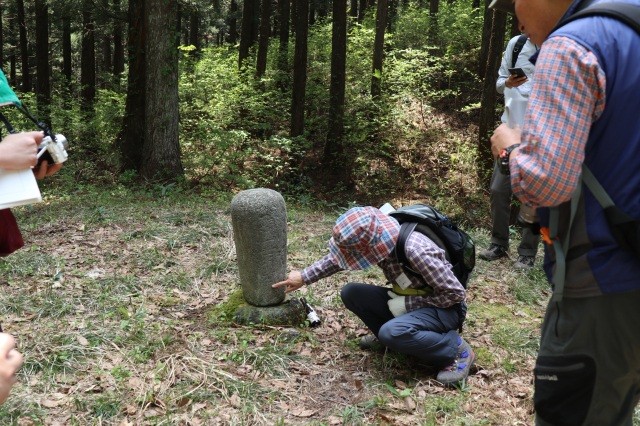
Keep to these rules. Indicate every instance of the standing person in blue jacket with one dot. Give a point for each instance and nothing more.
(583, 110)
(516, 91)
(418, 315)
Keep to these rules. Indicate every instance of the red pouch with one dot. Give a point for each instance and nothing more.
(10, 236)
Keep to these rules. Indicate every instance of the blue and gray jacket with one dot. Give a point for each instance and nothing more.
(595, 263)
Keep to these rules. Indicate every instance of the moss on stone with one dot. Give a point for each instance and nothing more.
(236, 309)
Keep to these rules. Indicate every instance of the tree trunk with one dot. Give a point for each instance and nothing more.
(299, 67)
(88, 60)
(322, 9)
(434, 6)
(118, 45)
(353, 9)
(12, 67)
(489, 95)
(106, 46)
(43, 82)
(285, 19)
(161, 152)
(362, 9)
(248, 31)
(24, 47)
(265, 32)
(131, 137)
(282, 77)
(194, 31)
(334, 149)
(66, 49)
(378, 48)
(232, 22)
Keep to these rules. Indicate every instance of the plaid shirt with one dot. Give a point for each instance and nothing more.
(568, 96)
(425, 257)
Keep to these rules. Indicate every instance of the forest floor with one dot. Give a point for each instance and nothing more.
(113, 303)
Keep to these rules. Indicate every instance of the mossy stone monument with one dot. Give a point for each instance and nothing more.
(259, 220)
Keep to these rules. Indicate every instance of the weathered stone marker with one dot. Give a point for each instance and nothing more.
(259, 220)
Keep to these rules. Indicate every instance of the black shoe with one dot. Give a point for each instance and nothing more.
(371, 343)
(494, 252)
(524, 262)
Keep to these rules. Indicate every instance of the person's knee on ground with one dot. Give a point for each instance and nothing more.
(402, 338)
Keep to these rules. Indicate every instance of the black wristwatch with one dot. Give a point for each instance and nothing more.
(503, 158)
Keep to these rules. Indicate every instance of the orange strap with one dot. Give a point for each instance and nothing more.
(546, 237)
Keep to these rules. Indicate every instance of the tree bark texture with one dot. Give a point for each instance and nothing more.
(334, 147)
(66, 49)
(194, 30)
(378, 48)
(132, 135)
(118, 44)
(299, 66)
(24, 46)
(248, 30)
(285, 19)
(489, 95)
(161, 153)
(265, 33)
(232, 22)
(106, 45)
(43, 82)
(88, 60)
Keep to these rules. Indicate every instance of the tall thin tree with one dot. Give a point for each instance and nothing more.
(378, 48)
(118, 44)
(333, 157)
(24, 46)
(43, 82)
(487, 121)
(131, 137)
(66, 48)
(248, 34)
(301, 20)
(265, 35)
(232, 22)
(88, 58)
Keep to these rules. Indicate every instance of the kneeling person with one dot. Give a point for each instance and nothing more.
(420, 314)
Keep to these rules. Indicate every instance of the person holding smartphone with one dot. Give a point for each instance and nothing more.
(516, 87)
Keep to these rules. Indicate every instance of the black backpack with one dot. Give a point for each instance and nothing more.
(459, 248)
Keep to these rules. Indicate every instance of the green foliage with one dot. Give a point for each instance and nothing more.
(234, 128)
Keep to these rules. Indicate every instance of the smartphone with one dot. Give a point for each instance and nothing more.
(518, 72)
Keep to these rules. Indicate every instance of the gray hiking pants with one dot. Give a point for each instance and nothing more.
(501, 214)
(588, 366)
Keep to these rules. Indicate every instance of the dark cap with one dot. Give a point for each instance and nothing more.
(503, 5)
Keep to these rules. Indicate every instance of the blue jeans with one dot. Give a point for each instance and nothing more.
(429, 334)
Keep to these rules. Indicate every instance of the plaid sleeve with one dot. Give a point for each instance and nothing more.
(568, 96)
(429, 261)
(320, 269)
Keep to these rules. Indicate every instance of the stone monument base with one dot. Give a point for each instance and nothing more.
(288, 313)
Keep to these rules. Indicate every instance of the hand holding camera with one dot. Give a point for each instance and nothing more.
(53, 149)
(52, 152)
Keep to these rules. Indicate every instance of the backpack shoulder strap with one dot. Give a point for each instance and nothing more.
(517, 48)
(625, 12)
(405, 230)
